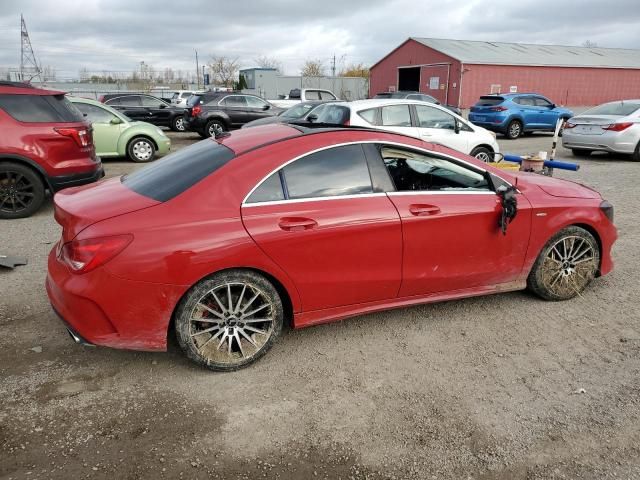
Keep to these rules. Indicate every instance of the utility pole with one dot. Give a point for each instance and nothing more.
(197, 70)
(333, 66)
(28, 64)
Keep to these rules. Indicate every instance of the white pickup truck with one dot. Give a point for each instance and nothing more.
(303, 95)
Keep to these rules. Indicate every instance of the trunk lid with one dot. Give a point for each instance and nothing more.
(79, 207)
(592, 124)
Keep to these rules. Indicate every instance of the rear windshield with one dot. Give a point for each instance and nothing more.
(166, 178)
(40, 108)
(390, 95)
(616, 108)
(489, 101)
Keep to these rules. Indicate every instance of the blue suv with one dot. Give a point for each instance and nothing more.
(515, 113)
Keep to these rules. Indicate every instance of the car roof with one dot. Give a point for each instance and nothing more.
(84, 100)
(381, 102)
(18, 88)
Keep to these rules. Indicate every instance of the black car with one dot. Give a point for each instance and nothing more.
(423, 97)
(303, 111)
(147, 108)
(215, 112)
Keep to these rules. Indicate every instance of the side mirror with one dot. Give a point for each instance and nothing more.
(552, 106)
(266, 107)
(162, 105)
(312, 118)
(456, 128)
(115, 121)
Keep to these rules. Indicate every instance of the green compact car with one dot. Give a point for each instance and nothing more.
(116, 135)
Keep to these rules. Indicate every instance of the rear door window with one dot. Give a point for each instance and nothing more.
(40, 108)
(255, 102)
(370, 115)
(541, 102)
(94, 114)
(396, 116)
(327, 96)
(235, 101)
(170, 176)
(329, 173)
(312, 95)
(268, 191)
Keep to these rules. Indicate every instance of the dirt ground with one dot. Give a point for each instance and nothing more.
(505, 387)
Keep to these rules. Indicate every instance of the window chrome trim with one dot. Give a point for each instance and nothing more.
(442, 192)
(315, 199)
(362, 142)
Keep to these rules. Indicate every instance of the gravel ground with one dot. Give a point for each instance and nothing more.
(499, 387)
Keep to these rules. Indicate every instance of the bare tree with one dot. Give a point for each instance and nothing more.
(312, 68)
(224, 70)
(589, 44)
(269, 62)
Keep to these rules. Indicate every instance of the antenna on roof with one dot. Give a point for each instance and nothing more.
(29, 68)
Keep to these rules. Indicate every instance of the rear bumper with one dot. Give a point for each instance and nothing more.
(605, 142)
(194, 124)
(76, 179)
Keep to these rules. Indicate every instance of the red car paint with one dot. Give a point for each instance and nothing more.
(333, 257)
(53, 149)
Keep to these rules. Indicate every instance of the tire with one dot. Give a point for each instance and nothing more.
(635, 156)
(566, 265)
(564, 120)
(177, 124)
(577, 152)
(141, 149)
(514, 129)
(483, 154)
(213, 126)
(21, 191)
(228, 337)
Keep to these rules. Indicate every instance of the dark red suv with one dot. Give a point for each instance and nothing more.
(45, 144)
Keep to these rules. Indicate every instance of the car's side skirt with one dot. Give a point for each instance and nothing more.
(307, 319)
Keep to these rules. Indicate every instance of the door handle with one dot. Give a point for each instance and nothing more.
(295, 224)
(422, 210)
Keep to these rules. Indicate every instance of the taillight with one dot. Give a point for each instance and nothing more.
(81, 135)
(195, 111)
(607, 209)
(498, 109)
(569, 125)
(82, 256)
(617, 127)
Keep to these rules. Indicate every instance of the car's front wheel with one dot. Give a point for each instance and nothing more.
(514, 130)
(483, 154)
(229, 320)
(177, 125)
(21, 191)
(566, 265)
(141, 149)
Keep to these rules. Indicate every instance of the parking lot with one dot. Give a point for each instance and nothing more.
(501, 387)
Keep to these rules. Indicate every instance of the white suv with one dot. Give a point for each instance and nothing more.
(180, 97)
(431, 123)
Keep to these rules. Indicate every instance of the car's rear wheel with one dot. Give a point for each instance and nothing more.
(177, 125)
(21, 191)
(514, 129)
(566, 265)
(214, 127)
(578, 152)
(141, 149)
(483, 154)
(229, 320)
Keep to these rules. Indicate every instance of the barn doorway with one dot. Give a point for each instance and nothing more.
(409, 78)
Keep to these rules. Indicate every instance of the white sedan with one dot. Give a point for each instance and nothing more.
(427, 121)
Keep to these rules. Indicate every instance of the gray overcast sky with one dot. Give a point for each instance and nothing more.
(118, 34)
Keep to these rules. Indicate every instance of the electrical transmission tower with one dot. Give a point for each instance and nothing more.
(29, 68)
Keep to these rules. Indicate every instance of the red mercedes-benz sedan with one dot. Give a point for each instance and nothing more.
(227, 240)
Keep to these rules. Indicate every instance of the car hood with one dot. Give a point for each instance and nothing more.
(77, 208)
(557, 187)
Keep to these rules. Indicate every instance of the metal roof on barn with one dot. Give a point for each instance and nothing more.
(499, 53)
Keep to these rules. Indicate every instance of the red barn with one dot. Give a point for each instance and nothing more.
(457, 72)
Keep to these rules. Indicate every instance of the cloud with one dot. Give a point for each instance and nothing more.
(118, 34)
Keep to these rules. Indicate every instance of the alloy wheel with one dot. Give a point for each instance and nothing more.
(232, 322)
(179, 124)
(569, 266)
(16, 192)
(215, 129)
(483, 156)
(514, 130)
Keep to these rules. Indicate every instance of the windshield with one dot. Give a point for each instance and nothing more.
(614, 108)
(298, 111)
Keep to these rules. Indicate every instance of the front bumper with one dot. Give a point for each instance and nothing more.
(101, 309)
(76, 179)
(164, 145)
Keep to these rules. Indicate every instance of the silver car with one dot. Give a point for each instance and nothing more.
(610, 127)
